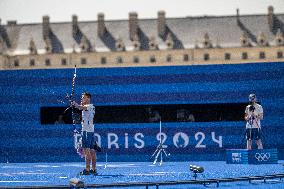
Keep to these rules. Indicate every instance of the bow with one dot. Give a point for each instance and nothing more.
(72, 98)
(77, 134)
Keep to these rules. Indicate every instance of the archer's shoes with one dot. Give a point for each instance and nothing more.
(94, 172)
(85, 172)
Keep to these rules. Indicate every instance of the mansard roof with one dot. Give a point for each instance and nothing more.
(187, 32)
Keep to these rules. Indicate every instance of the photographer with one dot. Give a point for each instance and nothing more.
(253, 115)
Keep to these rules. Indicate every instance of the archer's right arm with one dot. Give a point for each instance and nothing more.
(78, 106)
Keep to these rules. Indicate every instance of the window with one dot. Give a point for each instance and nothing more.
(185, 57)
(63, 61)
(244, 42)
(279, 54)
(262, 55)
(119, 60)
(103, 60)
(136, 59)
(169, 58)
(47, 62)
(227, 56)
(206, 57)
(83, 61)
(136, 46)
(152, 59)
(244, 55)
(32, 62)
(16, 63)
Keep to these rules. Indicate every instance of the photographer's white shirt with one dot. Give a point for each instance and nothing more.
(254, 123)
(88, 117)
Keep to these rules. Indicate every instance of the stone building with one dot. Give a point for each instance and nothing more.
(143, 42)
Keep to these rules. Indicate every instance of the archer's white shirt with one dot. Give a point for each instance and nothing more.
(88, 118)
(254, 123)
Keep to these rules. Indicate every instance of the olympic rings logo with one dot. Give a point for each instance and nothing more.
(262, 156)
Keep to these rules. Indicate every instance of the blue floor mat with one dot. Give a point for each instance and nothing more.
(47, 174)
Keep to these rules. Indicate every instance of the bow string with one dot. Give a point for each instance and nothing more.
(72, 98)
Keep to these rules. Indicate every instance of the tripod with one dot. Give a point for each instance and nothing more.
(160, 150)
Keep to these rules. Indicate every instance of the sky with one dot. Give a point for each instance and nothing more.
(31, 11)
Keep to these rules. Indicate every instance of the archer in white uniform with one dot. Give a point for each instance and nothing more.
(88, 141)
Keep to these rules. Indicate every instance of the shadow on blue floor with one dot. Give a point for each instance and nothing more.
(45, 174)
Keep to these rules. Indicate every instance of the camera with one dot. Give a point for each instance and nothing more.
(251, 108)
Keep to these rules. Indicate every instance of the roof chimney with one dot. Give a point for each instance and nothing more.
(45, 26)
(133, 25)
(75, 27)
(161, 23)
(32, 47)
(238, 15)
(270, 18)
(101, 24)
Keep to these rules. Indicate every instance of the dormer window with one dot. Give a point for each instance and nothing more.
(136, 43)
(32, 47)
(279, 38)
(262, 40)
(206, 41)
(169, 41)
(244, 39)
(152, 44)
(48, 47)
(119, 44)
(85, 45)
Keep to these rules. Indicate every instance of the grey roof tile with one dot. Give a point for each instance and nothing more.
(186, 32)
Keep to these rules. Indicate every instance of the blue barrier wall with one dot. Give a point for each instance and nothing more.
(24, 92)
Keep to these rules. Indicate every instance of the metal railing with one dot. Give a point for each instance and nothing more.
(204, 182)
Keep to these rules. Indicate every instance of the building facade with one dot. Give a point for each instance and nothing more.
(143, 42)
